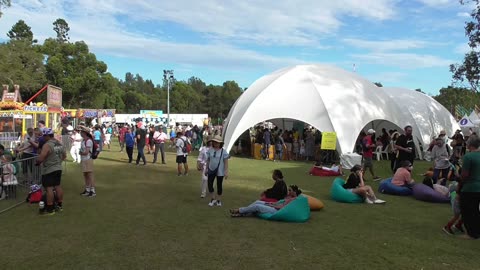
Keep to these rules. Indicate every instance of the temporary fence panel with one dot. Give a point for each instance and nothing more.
(16, 179)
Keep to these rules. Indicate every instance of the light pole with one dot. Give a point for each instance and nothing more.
(168, 75)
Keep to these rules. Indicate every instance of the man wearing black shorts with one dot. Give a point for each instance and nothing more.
(181, 155)
(51, 157)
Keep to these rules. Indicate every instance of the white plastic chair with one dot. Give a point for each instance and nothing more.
(379, 152)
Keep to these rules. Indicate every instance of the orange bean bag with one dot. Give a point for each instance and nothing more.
(314, 203)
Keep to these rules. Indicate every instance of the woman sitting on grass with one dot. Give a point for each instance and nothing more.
(279, 189)
(261, 207)
(356, 185)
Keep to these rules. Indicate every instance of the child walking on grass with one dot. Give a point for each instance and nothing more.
(456, 220)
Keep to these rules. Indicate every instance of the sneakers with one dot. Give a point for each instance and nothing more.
(202, 196)
(46, 213)
(212, 203)
(84, 193)
(219, 203)
(448, 230)
(378, 201)
(367, 200)
(92, 194)
(459, 228)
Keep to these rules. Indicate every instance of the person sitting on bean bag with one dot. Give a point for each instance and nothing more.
(428, 181)
(403, 175)
(278, 191)
(356, 185)
(260, 207)
(318, 167)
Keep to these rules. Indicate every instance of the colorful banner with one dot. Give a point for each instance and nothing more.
(151, 113)
(87, 113)
(329, 141)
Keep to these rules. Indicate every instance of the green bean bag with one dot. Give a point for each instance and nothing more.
(340, 194)
(296, 211)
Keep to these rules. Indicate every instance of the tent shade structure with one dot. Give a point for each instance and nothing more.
(329, 99)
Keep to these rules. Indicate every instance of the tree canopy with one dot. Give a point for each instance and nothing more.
(469, 70)
(86, 82)
(4, 4)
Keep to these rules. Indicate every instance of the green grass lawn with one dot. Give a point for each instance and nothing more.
(148, 218)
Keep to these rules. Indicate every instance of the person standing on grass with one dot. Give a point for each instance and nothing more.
(181, 155)
(217, 167)
(159, 137)
(405, 147)
(202, 165)
(129, 143)
(121, 137)
(76, 139)
(441, 164)
(469, 189)
(141, 137)
(51, 157)
(97, 136)
(368, 146)
(86, 149)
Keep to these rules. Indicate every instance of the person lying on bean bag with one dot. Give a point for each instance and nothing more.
(428, 181)
(319, 170)
(261, 207)
(278, 191)
(356, 185)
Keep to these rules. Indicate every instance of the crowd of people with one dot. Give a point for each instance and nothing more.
(289, 144)
(457, 165)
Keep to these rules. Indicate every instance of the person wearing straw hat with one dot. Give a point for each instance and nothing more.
(86, 161)
(217, 167)
(202, 164)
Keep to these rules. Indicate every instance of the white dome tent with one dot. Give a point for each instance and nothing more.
(327, 98)
(429, 116)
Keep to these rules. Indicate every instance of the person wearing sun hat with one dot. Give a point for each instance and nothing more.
(217, 167)
(86, 148)
(51, 157)
(202, 164)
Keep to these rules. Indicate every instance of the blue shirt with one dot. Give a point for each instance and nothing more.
(214, 160)
(97, 135)
(129, 139)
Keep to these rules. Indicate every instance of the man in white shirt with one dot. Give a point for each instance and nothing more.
(76, 139)
(181, 155)
(159, 138)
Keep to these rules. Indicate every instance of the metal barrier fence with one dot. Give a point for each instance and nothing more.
(15, 181)
(10, 139)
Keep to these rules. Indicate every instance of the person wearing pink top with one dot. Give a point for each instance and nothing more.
(403, 175)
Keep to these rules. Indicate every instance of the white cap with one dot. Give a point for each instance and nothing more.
(370, 131)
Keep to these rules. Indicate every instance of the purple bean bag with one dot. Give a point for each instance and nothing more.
(386, 187)
(425, 193)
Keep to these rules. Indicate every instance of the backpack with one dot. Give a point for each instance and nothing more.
(95, 150)
(187, 147)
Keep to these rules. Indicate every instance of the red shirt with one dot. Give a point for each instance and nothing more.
(121, 135)
(367, 141)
